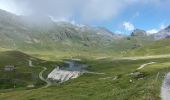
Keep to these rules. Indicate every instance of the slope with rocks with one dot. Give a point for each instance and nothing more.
(139, 32)
(164, 33)
(16, 32)
(158, 47)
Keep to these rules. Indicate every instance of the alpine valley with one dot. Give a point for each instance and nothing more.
(49, 60)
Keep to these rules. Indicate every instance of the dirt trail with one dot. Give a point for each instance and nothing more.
(165, 89)
(93, 73)
(143, 65)
(135, 58)
(144, 57)
(43, 79)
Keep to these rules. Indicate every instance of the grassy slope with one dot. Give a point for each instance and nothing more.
(93, 87)
(115, 48)
(156, 48)
(23, 75)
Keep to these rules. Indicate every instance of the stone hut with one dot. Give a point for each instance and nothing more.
(9, 68)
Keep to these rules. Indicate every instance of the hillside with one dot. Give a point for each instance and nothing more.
(107, 76)
(156, 48)
(120, 81)
(22, 75)
(163, 34)
(84, 50)
(18, 33)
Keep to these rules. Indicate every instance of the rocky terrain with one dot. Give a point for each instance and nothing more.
(164, 33)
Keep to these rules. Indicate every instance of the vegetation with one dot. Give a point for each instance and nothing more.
(48, 45)
(116, 83)
(160, 47)
(23, 75)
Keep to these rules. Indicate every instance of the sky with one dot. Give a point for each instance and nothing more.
(120, 16)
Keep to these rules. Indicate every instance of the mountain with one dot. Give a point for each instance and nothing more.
(58, 42)
(16, 33)
(138, 32)
(158, 47)
(164, 33)
(24, 34)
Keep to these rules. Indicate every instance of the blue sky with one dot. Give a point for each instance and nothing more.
(121, 16)
(149, 17)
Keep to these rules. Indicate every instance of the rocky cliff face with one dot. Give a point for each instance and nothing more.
(139, 32)
(16, 33)
(165, 33)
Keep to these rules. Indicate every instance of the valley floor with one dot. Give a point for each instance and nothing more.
(122, 81)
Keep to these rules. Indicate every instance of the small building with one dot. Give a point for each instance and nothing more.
(9, 68)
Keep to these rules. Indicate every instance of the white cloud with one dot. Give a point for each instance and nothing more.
(104, 9)
(153, 31)
(14, 6)
(86, 10)
(10, 6)
(61, 19)
(128, 26)
(73, 22)
(162, 26)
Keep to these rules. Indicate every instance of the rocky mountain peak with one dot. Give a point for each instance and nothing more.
(138, 32)
(165, 33)
(167, 29)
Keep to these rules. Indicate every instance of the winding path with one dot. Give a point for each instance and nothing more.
(43, 79)
(93, 73)
(142, 66)
(165, 89)
(142, 57)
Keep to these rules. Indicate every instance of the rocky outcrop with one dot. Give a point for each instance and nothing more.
(139, 32)
(165, 33)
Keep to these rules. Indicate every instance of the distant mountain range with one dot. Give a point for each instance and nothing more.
(165, 33)
(17, 32)
(139, 32)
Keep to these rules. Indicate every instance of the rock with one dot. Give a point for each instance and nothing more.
(105, 78)
(115, 78)
(139, 32)
(137, 75)
(30, 86)
(130, 81)
(165, 33)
